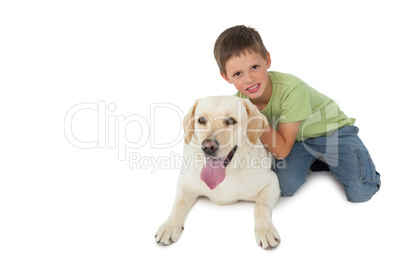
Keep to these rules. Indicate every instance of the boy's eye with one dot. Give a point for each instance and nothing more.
(236, 74)
(230, 121)
(255, 67)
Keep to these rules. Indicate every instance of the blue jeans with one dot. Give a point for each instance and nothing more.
(348, 160)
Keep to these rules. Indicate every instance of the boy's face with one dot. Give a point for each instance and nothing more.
(248, 73)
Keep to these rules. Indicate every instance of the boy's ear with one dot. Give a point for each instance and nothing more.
(268, 60)
(226, 78)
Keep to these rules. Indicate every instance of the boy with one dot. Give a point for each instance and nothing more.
(307, 130)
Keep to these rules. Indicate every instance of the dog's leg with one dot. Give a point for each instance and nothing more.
(265, 233)
(170, 231)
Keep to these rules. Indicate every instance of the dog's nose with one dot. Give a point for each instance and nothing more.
(210, 146)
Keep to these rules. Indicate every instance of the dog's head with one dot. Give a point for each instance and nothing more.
(220, 126)
(226, 119)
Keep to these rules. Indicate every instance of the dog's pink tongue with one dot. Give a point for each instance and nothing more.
(213, 172)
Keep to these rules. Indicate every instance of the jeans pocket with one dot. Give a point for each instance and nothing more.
(355, 129)
(367, 168)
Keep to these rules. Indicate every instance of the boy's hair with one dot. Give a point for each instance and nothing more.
(236, 40)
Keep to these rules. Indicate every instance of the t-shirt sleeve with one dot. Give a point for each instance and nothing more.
(295, 105)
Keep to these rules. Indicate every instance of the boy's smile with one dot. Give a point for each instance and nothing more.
(253, 89)
(248, 73)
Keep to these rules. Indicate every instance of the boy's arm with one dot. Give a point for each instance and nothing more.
(279, 143)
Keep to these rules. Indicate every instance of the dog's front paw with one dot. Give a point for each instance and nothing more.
(267, 237)
(168, 233)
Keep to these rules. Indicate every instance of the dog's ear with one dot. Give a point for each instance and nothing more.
(188, 124)
(256, 122)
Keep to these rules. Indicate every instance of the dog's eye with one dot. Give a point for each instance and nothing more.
(202, 120)
(230, 121)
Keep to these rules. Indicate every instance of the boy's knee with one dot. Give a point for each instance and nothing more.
(290, 181)
(365, 192)
(289, 188)
(287, 193)
(359, 198)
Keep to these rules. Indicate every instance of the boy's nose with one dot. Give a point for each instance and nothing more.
(249, 78)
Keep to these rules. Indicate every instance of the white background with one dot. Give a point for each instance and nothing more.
(63, 206)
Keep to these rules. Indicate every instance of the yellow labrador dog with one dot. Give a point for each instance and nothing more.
(227, 163)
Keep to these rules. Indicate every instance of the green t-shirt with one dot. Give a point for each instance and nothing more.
(293, 100)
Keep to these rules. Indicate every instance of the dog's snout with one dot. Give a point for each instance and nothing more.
(210, 146)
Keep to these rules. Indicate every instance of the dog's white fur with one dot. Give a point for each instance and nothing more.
(250, 181)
